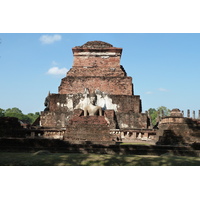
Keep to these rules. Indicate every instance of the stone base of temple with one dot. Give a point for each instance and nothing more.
(90, 129)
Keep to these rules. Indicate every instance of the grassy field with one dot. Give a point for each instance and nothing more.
(62, 159)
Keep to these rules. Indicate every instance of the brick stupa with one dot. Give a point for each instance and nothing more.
(96, 70)
(97, 66)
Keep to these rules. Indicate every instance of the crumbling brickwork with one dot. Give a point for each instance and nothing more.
(90, 128)
(132, 120)
(67, 103)
(110, 85)
(176, 129)
(102, 61)
(11, 127)
(97, 54)
(96, 70)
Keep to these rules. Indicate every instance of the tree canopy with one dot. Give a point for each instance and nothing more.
(16, 112)
(156, 114)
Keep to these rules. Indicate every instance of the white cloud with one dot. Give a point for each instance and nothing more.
(54, 63)
(149, 92)
(49, 39)
(163, 90)
(57, 71)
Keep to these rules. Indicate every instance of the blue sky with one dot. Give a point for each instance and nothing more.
(165, 67)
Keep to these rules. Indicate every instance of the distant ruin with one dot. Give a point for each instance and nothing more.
(177, 129)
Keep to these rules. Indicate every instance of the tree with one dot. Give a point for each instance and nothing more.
(156, 114)
(32, 117)
(163, 111)
(2, 112)
(13, 110)
(153, 115)
(16, 112)
(20, 116)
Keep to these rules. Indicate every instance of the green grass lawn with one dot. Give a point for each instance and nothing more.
(63, 159)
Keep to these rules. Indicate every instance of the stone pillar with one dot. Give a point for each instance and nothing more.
(62, 119)
(134, 135)
(188, 113)
(193, 114)
(139, 136)
(145, 136)
(183, 113)
(122, 135)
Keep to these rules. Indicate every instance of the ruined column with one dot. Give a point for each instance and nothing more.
(150, 120)
(139, 136)
(62, 119)
(193, 114)
(183, 113)
(122, 135)
(188, 113)
(145, 136)
(162, 113)
(134, 135)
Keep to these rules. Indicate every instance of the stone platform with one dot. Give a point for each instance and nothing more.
(93, 129)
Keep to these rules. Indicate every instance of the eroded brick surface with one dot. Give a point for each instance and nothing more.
(90, 128)
(110, 85)
(96, 69)
(96, 65)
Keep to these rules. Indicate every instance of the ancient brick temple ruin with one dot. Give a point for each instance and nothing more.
(96, 100)
(177, 129)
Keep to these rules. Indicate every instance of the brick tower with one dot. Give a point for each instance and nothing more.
(96, 70)
(97, 66)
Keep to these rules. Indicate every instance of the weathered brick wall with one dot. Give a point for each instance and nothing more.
(96, 56)
(110, 115)
(93, 61)
(63, 102)
(127, 103)
(91, 128)
(119, 120)
(110, 85)
(97, 71)
(182, 127)
(132, 120)
(79, 120)
(11, 127)
(66, 103)
(54, 119)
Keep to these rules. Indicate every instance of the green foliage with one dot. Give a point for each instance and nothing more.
(163, 111)
(2, 112)
(33, 117)
(156, 114)
(153, 115)
(13, 110)
(16, 112)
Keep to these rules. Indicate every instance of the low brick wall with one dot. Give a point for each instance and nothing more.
(11, 127)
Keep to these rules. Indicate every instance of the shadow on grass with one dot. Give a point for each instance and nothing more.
(73, 159)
